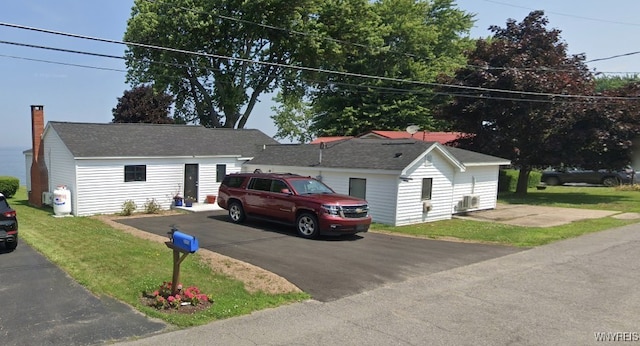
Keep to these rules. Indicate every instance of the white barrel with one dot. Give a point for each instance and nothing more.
(61, 201)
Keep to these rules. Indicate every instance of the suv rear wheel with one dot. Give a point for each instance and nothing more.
(307, 225)
(236, 212)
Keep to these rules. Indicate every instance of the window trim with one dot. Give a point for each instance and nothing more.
(220, 177)
(429, 193)
(364, 181)
(135, 173)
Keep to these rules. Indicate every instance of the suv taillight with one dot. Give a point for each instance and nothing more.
(9, 214)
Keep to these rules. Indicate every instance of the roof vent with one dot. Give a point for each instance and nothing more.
(397, 155)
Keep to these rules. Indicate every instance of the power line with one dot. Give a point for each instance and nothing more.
(387, 90)
(61, 49)
(62, 63)
(309, 69)
(614, 57)
(565, 14)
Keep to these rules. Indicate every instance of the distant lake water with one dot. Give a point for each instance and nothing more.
(12, 163)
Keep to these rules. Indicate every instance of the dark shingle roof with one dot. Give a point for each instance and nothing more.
(468, 157)
(361, 153)
(156, 140)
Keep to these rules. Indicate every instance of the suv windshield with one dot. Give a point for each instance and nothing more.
(309, 186)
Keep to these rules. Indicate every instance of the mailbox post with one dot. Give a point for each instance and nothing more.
(182, 245)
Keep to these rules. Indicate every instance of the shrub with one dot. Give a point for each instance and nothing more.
(128, 207)
(9, 186)
(628, 187)
(508, 179)
(152, 207)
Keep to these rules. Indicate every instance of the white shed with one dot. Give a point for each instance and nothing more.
(405, 181)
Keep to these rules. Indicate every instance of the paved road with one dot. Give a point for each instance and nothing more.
(557, 294)
(41, 305)
(329, 268)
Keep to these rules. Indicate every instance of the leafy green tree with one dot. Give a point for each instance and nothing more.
(604, 83)
(293, 119)
(142, 105)
(400, 40)
(241, 52)
(529, 129)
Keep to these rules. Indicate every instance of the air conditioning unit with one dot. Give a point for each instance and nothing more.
(470, 202)
(47, 198)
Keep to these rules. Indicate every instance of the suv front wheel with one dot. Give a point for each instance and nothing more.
(236, 212)
(307, 225)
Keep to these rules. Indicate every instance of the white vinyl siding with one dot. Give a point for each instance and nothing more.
(410, 203)
(477, 181)
(102, 190)
(61, 166)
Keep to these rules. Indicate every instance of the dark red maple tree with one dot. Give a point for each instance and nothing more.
(514, 108)
(143, 105)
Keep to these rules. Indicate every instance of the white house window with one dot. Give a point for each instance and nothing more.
(358, 187)
(427, 185)
(135, 173)
(221, 171)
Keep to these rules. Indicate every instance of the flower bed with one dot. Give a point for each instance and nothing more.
(185, 300)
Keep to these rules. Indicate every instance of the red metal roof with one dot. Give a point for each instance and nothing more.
(440, 137)
(329, 139)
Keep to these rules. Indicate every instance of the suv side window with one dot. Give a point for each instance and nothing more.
(278, 185)
(232, 181)
(260, 184)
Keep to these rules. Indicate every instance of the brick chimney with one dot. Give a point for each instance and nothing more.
(39, 172)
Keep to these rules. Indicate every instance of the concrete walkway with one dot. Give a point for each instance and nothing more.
(537, 216)
(557, 294)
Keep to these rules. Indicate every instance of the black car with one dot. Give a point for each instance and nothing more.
(8, 225)
(596, 177)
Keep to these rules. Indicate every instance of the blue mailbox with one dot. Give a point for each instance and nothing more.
(185, 242)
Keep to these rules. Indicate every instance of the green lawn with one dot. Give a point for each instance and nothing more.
(600, 198)
(114, 263)
(584, 197)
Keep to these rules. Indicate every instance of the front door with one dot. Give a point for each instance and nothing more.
(191, 181)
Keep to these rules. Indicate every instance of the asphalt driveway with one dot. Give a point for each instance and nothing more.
(41, 305)
(327, 268)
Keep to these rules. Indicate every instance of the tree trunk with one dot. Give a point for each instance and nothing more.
(523, 180)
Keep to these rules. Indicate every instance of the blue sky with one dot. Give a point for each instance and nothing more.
(598, 28)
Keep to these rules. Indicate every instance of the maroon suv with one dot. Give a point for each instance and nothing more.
(313, 207)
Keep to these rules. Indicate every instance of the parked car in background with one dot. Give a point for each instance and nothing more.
(561, 176)
(310, 205)
(8, 225)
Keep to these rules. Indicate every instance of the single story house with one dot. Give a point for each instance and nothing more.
(104, 165)
(405, 181)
